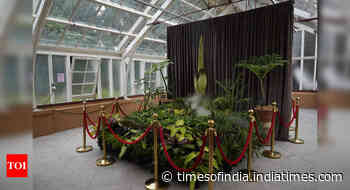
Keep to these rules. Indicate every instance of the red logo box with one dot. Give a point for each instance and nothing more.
(17, 165)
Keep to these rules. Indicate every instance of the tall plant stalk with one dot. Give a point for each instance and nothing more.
(262, 89)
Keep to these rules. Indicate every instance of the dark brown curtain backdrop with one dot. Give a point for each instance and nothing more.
(229, 39)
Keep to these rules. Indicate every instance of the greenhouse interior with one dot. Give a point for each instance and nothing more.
(184, 94)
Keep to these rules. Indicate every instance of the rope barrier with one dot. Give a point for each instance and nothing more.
(91, 122)
(171, 162)
(113, 109)
(267, 138)
(139, 108)
(87, 128)
(244, 148)
(122, 140)
(295, 111)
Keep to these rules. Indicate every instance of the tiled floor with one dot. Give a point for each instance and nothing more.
(58, 167)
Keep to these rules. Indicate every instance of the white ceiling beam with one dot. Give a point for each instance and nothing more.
(80, 52)
(112, 31)
(127, 9)
(136, 42)
(136, 24)
(198, 8)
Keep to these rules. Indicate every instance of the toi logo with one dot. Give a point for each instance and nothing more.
(17, 165)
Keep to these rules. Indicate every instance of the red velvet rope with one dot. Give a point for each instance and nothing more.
(122, 140)
(244, 148)
(87, 128)
(113, 109)
(197, 161)
(140, 107)
(266, 140)
(295, 111)
(91, 122)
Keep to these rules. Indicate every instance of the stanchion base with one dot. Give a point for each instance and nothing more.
(104, 162)
(83, 149)
(272, 155)
(151, 185)
(296, 141)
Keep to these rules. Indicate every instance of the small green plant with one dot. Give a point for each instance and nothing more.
(261, 66)
(151, 91)
(233, 94)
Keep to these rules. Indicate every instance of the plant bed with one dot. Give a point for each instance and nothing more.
(183, 129)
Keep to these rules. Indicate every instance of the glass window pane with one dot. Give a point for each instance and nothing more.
(116, 77)
(137, 71)
(59, 78)
(105, 78)
(11, 79)
(42, 89)
(84, 76)
(297, 44)
(130, 81)
(76, 89)
(150, 78)
(308, 74)
(310, 44)
(296, 75)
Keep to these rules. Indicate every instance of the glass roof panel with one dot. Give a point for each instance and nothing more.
(199, 3)
(51, 32)
(96, 14)
(151, 48)
(62, 8)
(158, 31)
(159, 3)
(123, 21)
(134, 4)
(180, 8)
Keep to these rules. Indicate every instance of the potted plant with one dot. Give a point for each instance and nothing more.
(260, 67)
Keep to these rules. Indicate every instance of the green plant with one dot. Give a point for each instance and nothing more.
(200, 80)
(159, 68)
(183, 129)
(151, 91)
(261, 66)
(233, 94)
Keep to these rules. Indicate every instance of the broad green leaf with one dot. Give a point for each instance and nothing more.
(180, 122)
(122, 151)
(190, 157)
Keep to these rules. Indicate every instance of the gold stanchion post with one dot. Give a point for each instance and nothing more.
(272, 153)
(211, 134)
(153, 183)
(296, 139)
(84, 147)
(250, 149)
(104, 161)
